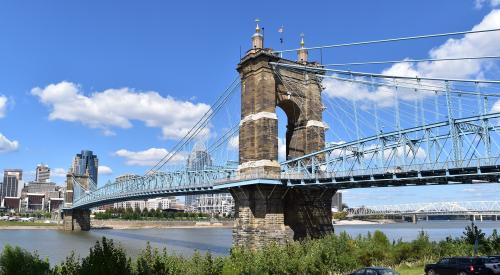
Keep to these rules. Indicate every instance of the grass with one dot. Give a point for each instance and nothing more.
(18, 223)
(410, 269)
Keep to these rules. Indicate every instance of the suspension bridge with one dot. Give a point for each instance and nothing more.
(344, 129)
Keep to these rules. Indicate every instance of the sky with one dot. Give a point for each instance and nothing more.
(127, 79)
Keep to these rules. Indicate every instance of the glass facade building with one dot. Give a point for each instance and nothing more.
(86, 163)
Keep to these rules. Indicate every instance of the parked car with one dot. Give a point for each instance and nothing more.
(374, 271)
(493, 263)
(4, 218)
(29, 219)
(463, 266)
(13, 218)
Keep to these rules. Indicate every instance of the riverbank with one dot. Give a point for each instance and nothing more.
(158, 224)
(26, 225)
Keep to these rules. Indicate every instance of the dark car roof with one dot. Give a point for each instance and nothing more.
(379, 267)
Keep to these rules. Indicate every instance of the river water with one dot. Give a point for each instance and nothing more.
(57, 244)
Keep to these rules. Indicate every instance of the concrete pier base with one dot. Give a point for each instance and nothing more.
(76, 219)
(273, 213)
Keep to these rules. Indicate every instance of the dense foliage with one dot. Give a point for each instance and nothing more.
(138, 214)
(332, 254)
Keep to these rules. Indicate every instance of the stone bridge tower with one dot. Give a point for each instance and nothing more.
(277, 212)
(75, 219)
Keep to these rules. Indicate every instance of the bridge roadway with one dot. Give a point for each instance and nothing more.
(219, 180)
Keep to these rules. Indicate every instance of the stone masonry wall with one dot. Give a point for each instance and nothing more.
(273, 213)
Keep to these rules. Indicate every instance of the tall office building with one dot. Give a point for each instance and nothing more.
(42, 173)
(86, 163)
(11, 180)
(337, 202)
(199, 159)
(221, 204)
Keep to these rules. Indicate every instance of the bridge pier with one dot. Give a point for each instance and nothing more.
(414, 218)
(76, 219)
(273, 213)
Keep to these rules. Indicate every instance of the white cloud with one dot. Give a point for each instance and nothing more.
(496, 107)
(281, 149)
(478, 44)
(117, 108)
(104, 170)
(3, 105)
(148, 157)
(7, 145)
(234, 143)
(480, 3)
(58, 172)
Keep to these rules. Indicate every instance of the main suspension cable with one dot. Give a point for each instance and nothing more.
(410, 61)
(318, 69)
(197, 127)
(389, 40)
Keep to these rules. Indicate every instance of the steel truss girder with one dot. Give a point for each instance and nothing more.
(433, 208)
(396, 153)
(157, 184)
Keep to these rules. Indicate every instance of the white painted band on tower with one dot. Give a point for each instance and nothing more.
(258, 116)
(317, 124)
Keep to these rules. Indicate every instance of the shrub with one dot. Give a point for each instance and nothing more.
(16, 260)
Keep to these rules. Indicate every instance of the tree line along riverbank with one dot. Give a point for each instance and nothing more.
(333, 254)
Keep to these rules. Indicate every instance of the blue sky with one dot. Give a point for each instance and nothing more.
(139, 73)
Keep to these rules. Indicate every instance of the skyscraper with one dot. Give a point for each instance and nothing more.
(220, 204)
(199, 159)
(42, 173)
(11, 180)
(86, 163)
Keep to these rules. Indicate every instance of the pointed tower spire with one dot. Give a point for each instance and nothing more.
(257, 38)
(302, 53)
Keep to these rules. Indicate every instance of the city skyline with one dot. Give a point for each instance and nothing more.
(148, 60)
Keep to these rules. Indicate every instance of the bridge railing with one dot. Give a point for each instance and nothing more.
(396, 171)
(157, 183)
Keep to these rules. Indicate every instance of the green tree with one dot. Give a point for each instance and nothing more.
(70, 266)
(473, 233)
(14, 261)
(106, 258)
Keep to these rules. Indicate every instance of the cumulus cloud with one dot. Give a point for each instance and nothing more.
(148, 157)
(480, 3)
(496, 107)
(117, 108)
(281, 149)
(3, 105)
(7, 145)
(58, 172)
(234, 143)
(478, 44)
(104, 170)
